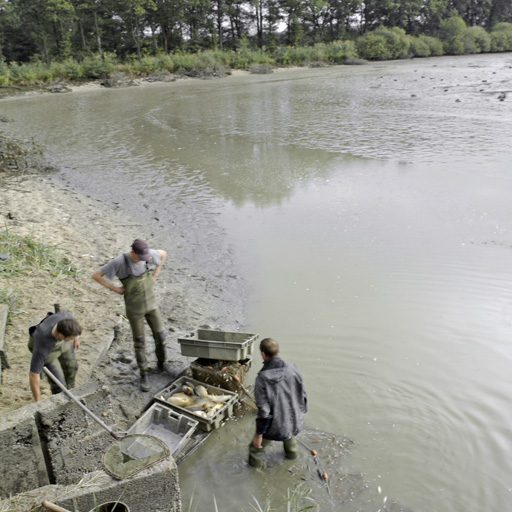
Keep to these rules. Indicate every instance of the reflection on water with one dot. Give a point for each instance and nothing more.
(368, 208)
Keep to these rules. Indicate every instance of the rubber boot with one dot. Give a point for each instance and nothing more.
(144, 381)
(142, 362)
(256, 455)
(160, 349)
(291, 448)
(140, 353)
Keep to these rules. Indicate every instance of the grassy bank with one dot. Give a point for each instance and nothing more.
(27, 263)
(454, 38)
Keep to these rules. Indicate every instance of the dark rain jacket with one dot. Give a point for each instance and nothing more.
(281, 400)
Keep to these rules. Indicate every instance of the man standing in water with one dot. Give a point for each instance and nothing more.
(53, 343)
(282, 404)
(132, 269)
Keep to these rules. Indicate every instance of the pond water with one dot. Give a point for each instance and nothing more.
(368, 210)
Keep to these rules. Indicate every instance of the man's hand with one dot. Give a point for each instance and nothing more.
(256, 442)
(99, 278)
(76, 343)
(163, 255)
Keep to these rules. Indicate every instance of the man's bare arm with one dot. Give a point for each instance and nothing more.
(100, 278)
(163, 255)
(35, 385)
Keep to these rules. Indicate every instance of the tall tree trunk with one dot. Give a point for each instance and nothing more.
(45, 49)
(259, 22)
(166, 38)
(220, 15)
(155, 38)
(82, 35)
(98, 36)
(136, 36)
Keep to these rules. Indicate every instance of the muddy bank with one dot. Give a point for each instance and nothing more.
(90, 233)
(120, 80)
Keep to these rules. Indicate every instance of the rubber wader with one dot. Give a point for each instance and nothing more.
(140, 303)
(290, 446)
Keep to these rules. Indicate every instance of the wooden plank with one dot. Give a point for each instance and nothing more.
(4, 310)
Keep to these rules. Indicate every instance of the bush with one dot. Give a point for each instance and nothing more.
(73, 70)
(96, 67)
(434, 45)
(451, 33)
(481, 39)
(146, 66)
(339, 52)
(23, 73)
(372, 46)
(501, 37)
(165, 62)
(419, 48)
(297, 56)
(397, 41)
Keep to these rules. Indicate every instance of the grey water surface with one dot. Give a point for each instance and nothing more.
(368, 211)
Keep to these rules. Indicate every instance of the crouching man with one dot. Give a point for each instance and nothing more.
(53, 343)
(282, 404)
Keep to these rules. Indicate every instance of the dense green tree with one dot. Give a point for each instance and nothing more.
(500, 11)
(501, 37)
(59, 29)
(199, 20)
(477, 40)
(372, 46)
(133, 14)
(237, 13)
(397, 42)
(169, 20)
(452, 32)
(342, 16)
(315, 17)
(473, 12)
(14, 45)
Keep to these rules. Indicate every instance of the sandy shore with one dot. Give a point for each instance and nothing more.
(89, 234)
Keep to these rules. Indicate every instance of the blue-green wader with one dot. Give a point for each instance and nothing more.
(61, 361)
(140, 303)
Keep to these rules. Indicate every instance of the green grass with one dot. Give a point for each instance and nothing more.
(297, 500)
(28, 257)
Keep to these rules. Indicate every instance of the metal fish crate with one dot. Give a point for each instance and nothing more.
(205, 424)
(168, 425)
(226, 346)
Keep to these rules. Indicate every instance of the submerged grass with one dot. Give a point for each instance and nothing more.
(297, 500)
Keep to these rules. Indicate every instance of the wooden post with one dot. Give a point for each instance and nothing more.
(4, 310)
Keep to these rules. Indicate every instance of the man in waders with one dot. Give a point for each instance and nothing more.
(282, 404)
(132, 269)
(53, 343)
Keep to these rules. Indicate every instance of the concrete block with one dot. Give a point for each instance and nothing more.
(22, 460)
(74, 441)
(156, 489)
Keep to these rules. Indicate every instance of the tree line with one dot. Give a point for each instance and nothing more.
(56, 30)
